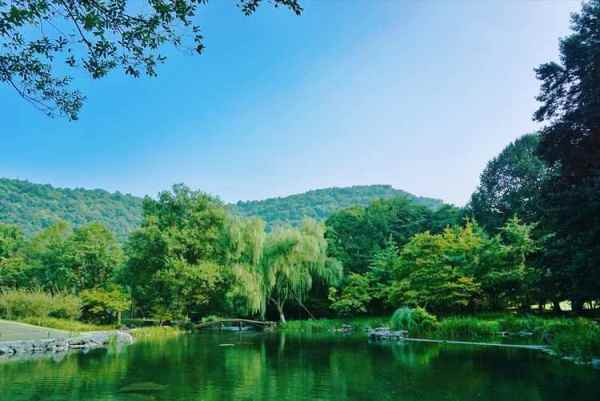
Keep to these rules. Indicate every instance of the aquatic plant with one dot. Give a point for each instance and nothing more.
(466, 328)
(323, 325)
(579, 338)
(155, 332)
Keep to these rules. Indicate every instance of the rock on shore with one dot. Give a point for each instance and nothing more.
(87, 341)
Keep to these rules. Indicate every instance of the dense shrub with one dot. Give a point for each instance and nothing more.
(104, 305)
(65, 306)
(15, 304)
(415, 321)
(354, 298)
(578, 338)
(19, 304)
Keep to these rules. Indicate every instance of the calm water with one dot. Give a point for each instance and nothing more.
(277, 367)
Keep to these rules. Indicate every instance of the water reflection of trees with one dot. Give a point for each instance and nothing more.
(294, 368)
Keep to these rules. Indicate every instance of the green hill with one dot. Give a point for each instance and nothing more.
(36, 206)
(321, 203)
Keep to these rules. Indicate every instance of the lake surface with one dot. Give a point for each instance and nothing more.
(234, 367)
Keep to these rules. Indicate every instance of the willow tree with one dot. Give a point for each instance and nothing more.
(292, 259)
(246, 242)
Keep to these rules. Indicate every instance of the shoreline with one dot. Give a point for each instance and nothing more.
(24, 349)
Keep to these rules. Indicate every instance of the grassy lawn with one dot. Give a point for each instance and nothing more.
(12, 331)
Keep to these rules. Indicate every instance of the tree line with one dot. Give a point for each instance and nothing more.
(190, 258)
(530, 235)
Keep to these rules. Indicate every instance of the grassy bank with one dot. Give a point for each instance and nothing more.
(572, 337)
(40, 328)
(155, 332)
(65, 324)
(325, 325)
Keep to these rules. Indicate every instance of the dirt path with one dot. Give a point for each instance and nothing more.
(15, 331)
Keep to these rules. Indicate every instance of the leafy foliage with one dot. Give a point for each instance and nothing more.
(414, 320)
(19, 304)
(41, 39)
(191, 258)
(464, 269)
(354, 298)
(510, 185)
(578, 338)
(60, 259)
(292, 260)
(356, 233)
(104, 305)
(570, 145)
(176, 259)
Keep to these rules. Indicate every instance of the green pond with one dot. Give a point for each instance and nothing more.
(289, 367)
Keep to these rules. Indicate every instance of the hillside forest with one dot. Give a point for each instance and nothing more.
(34, 207)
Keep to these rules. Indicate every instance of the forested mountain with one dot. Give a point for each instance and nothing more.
(321, 203)
(35, 206)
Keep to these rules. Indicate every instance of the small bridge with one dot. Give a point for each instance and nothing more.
(239, 323)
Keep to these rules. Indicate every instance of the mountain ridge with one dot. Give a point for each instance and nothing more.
(34, 206)
(323, 202)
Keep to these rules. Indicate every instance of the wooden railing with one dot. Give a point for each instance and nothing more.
(236, 322)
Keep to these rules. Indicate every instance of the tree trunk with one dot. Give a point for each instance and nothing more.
(556, 306)
(280, 310)
(310, 315)
(577, 305)
(542, 306)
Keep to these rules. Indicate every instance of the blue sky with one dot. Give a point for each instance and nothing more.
(416, 94)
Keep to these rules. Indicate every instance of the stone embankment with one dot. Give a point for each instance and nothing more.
(85, 342)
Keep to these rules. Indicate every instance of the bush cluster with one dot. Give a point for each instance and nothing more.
(414, 320)
(19, 304)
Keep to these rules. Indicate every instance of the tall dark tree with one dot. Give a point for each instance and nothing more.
(570, 144)
(510, 185)
(40, 39)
